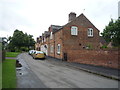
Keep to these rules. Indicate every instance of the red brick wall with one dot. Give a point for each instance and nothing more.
(94, 57)
(51, 42)
(81, 40)
(58, 40)
(55, 41)
(52, 54)
(48, 46)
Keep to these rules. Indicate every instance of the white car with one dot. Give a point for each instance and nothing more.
(31, 52)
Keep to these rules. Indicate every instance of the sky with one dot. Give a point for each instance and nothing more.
(35, 16)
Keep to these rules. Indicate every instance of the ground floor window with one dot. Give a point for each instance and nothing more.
(58, 48)
(51, 49)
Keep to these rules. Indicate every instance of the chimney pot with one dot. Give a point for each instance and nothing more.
(72, 16)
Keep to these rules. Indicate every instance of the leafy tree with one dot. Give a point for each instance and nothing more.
(111, 33)
(3, 43)
(31, 41)
(20, 41)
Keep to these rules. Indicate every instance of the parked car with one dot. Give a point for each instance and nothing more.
(38, 54)
(31, 52)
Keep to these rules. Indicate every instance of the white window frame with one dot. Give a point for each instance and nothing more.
(74, 30)
(51, 35)
(58, 48)
(90, 32)
(51, 49)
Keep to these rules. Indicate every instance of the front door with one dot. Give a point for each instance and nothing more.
(65, 57)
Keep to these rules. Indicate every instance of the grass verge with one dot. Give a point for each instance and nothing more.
(0, 75)
(9, 73)
(12, 54)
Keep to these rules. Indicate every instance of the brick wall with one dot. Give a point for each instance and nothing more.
(51, 43)
(52, 54)
(81, 40)
(48, 48)
(94, 57)
(58, 40)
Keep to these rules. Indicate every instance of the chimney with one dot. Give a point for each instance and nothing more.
(72, 16)
(37, 39)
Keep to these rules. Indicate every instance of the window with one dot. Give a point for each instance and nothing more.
(51, 49)
(51, 35)
(74, 30)
(90, 32)
(58, 49)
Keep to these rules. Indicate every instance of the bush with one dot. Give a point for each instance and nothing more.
(104, 46)
(89, 46)
(17, 50)
(24, 49)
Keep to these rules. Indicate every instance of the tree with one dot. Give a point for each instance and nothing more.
(20, 41)
(3, 43)
(111, 33)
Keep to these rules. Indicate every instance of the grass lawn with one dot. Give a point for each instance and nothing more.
(9, 73)
(0, 75)
(12, 54)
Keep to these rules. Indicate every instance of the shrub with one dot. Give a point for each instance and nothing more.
(104, 46)
(24, 49)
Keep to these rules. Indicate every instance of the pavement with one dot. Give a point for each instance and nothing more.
(99, 70)
(11, 58)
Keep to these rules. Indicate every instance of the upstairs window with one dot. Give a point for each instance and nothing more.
(58, 48)
(74, 30)
(90, 32)
(51, 37)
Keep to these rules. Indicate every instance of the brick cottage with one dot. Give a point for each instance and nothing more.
(78, 33)
(70, 41)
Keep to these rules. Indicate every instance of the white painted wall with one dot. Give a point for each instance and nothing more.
(45, 50)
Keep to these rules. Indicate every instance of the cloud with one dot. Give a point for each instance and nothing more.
(35, 16)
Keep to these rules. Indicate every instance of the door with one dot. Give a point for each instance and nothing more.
(65, 57)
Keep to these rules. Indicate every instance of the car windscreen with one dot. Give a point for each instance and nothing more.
(40, 52)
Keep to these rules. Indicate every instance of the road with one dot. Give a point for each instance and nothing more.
(48, 73)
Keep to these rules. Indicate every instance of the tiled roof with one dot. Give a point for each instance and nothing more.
(46, 33)
(55, 28)
(83, 20)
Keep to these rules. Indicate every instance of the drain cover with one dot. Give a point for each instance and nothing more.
(21, 73)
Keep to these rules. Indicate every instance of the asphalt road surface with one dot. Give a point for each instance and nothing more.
(48, 74)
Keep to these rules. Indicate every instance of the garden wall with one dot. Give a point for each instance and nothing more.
(106, 58)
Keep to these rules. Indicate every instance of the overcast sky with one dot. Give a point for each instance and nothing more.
(35, 16)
